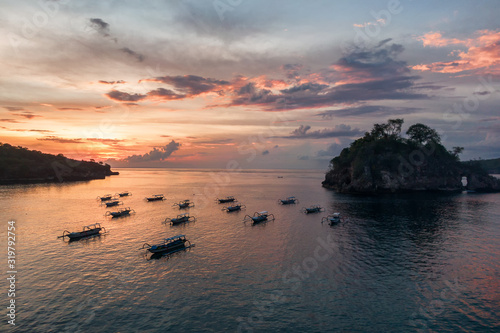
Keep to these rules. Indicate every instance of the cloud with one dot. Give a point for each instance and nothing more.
(109, 142)
(132, 53)
(100, 26)
(365, 74)
(436, 39)
(303, 132)
(27, 115)
(265, 152)
(111, 82)
(364, 110)
(292, 71)
(9, 120)
(192, 85)
(482, 54)
(60, 140)
(121, 96)
(332, 150)
(14, 108)
(157, 154)
(164, 94)
(303, 157)
(70, 109)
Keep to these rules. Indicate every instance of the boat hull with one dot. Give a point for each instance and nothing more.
(86, 233)
(171, 247)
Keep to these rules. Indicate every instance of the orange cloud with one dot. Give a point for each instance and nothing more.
(482, 54)
(437, 40)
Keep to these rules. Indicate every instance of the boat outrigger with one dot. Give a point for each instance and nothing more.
(169, 245)
(235, 207)
(112, 203)
(288, 201)
(181, 218)
(120, 212)
(332, 219)
(156, 197)
(105, 197)
(124, 194)
(313, 209)
(184, 204)
(88, 230)
(259, 217)
(226, 199)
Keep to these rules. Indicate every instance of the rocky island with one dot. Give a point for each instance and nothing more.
(19, 165)
(383, 161)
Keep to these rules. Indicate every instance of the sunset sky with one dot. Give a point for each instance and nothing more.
(269, 84)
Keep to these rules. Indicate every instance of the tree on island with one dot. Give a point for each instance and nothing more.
(383, 161)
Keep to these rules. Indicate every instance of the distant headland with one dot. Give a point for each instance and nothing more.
(19, 165)
(382, 161)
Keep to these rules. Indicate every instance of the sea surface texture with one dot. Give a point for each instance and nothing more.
(397, 263)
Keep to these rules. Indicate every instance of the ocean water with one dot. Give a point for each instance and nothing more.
(404, 263)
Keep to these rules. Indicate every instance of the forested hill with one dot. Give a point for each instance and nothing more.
(20, 165)
(492, 166)
(383, 161)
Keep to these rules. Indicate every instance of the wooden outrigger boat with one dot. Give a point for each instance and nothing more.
(156, 197)
(313, 209)
(112, 203)
(259, 217)
(121, 212)
(226, 199)
(288, 201)
(181, 218)
(88, 230)
(124, 194)
(105, 197)
(332, 219)
(184, 204)
(235, 207)
(168, 245)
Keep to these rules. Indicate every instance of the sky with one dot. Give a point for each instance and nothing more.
(256, 84)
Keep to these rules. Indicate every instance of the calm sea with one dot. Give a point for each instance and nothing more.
(397, 264)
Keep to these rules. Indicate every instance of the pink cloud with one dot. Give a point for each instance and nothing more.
(482, 54)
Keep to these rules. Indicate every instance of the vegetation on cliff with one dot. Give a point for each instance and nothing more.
(384, 161)
(21, 165)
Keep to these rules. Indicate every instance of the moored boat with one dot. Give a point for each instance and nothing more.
(233, 208)
(168, 245)
(226, 199)
(124, 194)
(112, 203)
(120, 212)
(259, 217)
(288, 201)
(184, 204)
(105, 197)
(332, 219)
(88, 230)
(181, 218)
(156, 197)
(313, 209)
